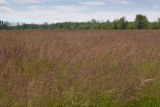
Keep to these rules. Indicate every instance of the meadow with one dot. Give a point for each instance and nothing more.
(80, 68)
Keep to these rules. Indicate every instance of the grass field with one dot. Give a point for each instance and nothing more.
(79, 68)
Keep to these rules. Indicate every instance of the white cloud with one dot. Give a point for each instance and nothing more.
(125, 2)
(61, 13)
(5, 9)
(153, 0)
(155, 6)
(59, 8)
(29, 1)
(58, 14)
(65, 8)
(93, 3)
(4, 2)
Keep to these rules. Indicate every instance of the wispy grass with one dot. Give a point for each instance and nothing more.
(79, 68)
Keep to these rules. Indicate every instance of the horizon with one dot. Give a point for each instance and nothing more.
(57, 11)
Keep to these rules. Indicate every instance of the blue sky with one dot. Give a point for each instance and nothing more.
(52, 11)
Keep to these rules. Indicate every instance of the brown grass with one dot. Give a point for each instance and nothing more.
(43, 68)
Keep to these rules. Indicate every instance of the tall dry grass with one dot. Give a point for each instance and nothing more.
(42, 68)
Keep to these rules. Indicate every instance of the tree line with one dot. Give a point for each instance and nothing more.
(140, 22)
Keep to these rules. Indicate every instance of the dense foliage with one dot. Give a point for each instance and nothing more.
(140, 22)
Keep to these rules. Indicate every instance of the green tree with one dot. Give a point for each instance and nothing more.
(141, 22)
(122, 23)
(158, 23)
(1, 23)
(130, 25)
(106, 25)
(115, 24)
(153, 25)
(93, 21)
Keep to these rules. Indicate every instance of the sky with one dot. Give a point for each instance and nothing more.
(53, 11)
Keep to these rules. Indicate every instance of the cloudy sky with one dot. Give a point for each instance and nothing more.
(52, 11)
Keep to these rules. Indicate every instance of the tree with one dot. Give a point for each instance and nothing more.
(130, 25)
(106, 25)
(153, 25)
(93, 21)
(122, 23)
(115, 24)
(141, 22)
(1, 23)
(158, 23)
